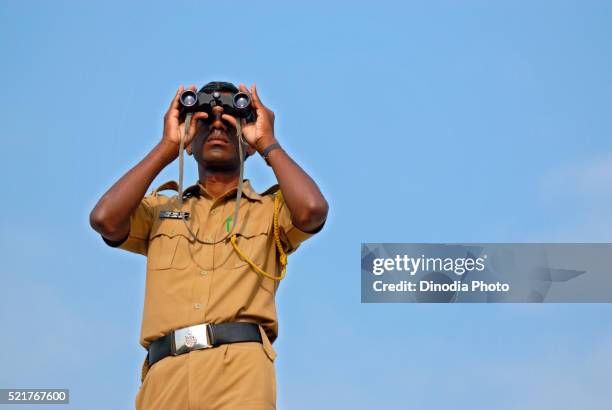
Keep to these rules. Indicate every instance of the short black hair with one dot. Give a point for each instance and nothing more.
(218, 86)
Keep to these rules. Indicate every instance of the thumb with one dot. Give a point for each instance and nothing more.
(193, 125)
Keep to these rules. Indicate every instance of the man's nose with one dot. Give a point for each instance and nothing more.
(217, 112)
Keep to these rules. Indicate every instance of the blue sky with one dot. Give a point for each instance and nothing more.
(438, 121)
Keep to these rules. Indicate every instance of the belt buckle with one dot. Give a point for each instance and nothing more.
(190, 338)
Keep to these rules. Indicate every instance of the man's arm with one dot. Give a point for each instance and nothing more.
(307, 205)
(111, 215)
(304, 200)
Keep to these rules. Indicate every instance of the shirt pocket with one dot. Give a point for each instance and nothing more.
(252, 241)
(170, 245)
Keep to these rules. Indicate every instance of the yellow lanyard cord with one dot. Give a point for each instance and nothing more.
(279, 246)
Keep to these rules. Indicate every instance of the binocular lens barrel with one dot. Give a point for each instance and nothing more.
(241, 100)
(188, 98)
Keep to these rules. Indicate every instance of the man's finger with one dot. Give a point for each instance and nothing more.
(175, 102)
(255, 96)
(256, 101)
(244, 89)
(229, 119)
(199, 115)
(194, 121)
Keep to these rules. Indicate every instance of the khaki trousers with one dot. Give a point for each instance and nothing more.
(234, 376)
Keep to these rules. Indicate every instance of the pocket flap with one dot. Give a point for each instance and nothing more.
(169, 244)
(173, 227)
(252, 228)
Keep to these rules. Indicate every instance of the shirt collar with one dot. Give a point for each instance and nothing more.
(247, 190)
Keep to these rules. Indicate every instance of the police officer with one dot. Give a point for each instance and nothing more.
(209, 316)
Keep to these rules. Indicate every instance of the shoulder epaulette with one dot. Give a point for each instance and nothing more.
(270, 190)
(173, 185)
(192, 191)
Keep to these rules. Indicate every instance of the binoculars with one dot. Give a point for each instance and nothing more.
(235, 104)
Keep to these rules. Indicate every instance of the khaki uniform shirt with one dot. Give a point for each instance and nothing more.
(188, 282)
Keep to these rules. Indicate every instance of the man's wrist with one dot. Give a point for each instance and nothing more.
(263, 143)
(268, 150)
(168, 149)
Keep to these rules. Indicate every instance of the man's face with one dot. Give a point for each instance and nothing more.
(215, 144)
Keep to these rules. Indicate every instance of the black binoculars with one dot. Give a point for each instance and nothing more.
(235, 104)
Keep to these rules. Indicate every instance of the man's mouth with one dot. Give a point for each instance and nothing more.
(217, 136)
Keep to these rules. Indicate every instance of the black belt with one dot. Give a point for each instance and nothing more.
(202, 336)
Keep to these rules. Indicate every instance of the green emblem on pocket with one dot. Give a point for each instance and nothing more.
(228, 221)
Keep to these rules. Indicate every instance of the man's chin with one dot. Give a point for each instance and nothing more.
(220, 162)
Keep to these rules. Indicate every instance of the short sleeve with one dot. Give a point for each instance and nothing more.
(292, 235)
(137, 240)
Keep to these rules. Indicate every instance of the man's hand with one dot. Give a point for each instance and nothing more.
(259, 134)
(174, 126)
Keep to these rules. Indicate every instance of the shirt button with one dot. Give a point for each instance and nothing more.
(197, 306)
(214, 211)
(203, 272)
(173, 232)
(208, 239)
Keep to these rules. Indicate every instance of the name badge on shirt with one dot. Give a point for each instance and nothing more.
(173, 215)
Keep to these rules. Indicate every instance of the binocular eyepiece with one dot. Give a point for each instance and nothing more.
(235, 104)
